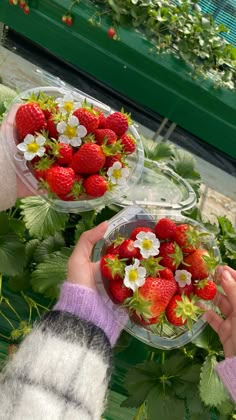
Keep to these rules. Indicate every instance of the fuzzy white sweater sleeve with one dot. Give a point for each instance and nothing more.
(60, 372)
(8, 184)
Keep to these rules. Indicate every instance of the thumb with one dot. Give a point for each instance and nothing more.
(88, 239)
(229, 286)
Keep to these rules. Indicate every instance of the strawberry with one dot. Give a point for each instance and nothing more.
(128, 250)
(88, 118)
(76, 190)
(114, 247)
(167, 274)
(101, 117)
(110, 160)
(104, 136)
(138, 319)
(95, 185)
(205, 289)
(89, 159)
(64, 154)
(60, 180)
(165, 228)
(51, 128)
(128, 142)
(186, 290)
(119, 292)
(41, 168)
(29, 119)
(111, 33)
(200, 263)
(182, 310)
(112, 268)
(136, 230)
(171, 255)
(151, 299)
(118, 122)
(187, 237)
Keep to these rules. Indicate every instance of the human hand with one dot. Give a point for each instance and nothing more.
(225, 327)
(80, 270)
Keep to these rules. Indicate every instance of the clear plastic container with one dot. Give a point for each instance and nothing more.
(168, 337)
(10, 140)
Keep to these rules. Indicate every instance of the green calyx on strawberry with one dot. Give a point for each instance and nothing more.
(47, 103)
(183, 310)
(152, 265)
(171, 253)
(188, 237)
(112, 267)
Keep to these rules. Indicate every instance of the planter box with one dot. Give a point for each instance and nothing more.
(160, 83)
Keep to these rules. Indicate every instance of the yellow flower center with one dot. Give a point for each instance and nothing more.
(182, 277)
(117, 173)
(70, 131)
(33, 147)
(146, 244)
(133, 275)
(68, 106)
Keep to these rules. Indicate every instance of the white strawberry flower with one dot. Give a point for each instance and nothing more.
(183, 277)
(67, 104)
(148, 244)
(135, 275)
(117, 174)
(32, 146)
(71, 132)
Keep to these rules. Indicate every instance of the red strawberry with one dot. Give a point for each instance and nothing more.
(89, 159)
(165, 228)
(128, 142)
(167, 274)
(171, 255)
(200, 263)
(104, 135)
(88, 118)
(76, 190)
(51, 128)
(186, 290)
(112, 268)
(113, 248)
(41, 168)
(110, 160)
(64, 154)
(182, 310)
(118, 122)
(119, 292)
(187, 237)
(95, 185)
(144, 322)
(101, 117)
(60, 180)
(205, 289)
(151, 299)
(111, 33)
(136, 230)
(29, 119)
(128, 250)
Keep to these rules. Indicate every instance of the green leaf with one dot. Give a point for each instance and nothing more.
(226, 227)
(157, 151)
(163, 406)
(208, 340)
(50, 273)
(86, 223)
(20, 282)
(48, 246)
(139, 395)
(30, 248)
(212, 390)
(12, 254)
(40, 218)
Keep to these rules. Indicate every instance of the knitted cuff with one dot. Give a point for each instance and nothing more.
(87, 304)
(227, 373)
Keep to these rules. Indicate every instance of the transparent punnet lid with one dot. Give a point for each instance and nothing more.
(160, 188)
(25, 170)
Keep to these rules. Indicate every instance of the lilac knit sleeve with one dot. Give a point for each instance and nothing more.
(227, 373)
(87, 304)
